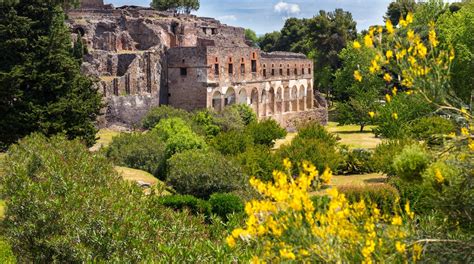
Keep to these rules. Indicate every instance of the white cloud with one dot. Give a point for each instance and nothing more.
(228, 18)
(283, 7)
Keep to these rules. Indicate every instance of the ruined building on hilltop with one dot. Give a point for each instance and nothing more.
(144, 58)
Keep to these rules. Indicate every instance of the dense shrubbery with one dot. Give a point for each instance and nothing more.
(246, 113)
(229, 119)
(178, 136)
(232, 142)
(224, 204)
(265, 132)
(6, 253)
(384, 195)
(155, 115)
(315, 130)
(139, 151)
(202, 173)
(427, 127)
(356, 161)
(411, 162)
(189, 202)
(385, 152)
(259, 161)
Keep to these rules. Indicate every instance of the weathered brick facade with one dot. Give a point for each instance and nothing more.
(146, 58)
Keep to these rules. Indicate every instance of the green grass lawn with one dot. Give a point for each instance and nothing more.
(105, 137)
(350, 135)
(134, 175)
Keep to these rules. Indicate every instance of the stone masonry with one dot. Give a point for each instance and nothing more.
(144, 58)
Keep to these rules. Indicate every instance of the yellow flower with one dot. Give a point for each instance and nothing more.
(411, 35)
(371, 114)
(357, 45)
(464, 131)
(452, 134)
(394, 91)
(357, 76)
(463, 111)
(439, 176)
(401, 248)
(304, 252)
(389, 26)
(285, 253)
(422, 50)
(255, 260)
(388, 98)
(408, 210)
(369, 43)
(402, 22)
(395, 116)
(327, 175)
(451, 55)
(471, 145)
(387, 77)
(389, 54)
(417, 249)
(380, 29)
(432, 38)
(230, 241)
(375, 66)
(409, 18)
(397, 220)
(287, 163)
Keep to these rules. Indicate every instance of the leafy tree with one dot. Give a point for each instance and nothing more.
(265, 132)
(184, 6)
(292, 37)
(42, 87)
(398, 9)
(251, 36)
(268, 42)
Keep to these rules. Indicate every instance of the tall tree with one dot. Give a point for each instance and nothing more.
(251, 36)
(41, 87)
(399, 8)
(268, 42)
(293, 36)
(184, 6)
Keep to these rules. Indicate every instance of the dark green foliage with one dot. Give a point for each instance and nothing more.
(383, 195)
(139, 151)
(229, 119)
(265, 132)
(314, 130)
(6, 253)
(246, 113)
(319, 152)
(178, 136)
(251, 37)
(408, 108)
(356, 161)
(232, 142)
(224, 204)
(258, 161)
(189, 202)
(320, 202)
(399, 9)
(419, 195)
(42, 87)
(411, 162)
(268, 42)
(427, 127)
(201, 173)
(155, 115)
(385, 152)
(184, 6)
(205, 119)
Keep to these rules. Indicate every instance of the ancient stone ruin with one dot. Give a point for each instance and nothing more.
(144, 58)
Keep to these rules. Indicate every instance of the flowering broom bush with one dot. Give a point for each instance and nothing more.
(286, 224)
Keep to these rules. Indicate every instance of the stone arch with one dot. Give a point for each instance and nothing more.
(217, 101)
(286, 100)
(309, 97)
(254, 100)
(230, 98)
(242, 98)
(263, 103)
(294, 99)
(279, 100)
(271, 102)
(79, 30)
(302, 98)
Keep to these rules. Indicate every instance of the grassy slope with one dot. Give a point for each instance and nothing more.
(351, 136)
(104, 138)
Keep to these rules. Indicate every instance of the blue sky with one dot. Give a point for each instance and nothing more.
(269, 15)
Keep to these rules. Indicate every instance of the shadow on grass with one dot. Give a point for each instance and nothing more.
(375, 180)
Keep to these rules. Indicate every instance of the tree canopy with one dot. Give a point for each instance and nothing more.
(180, 6)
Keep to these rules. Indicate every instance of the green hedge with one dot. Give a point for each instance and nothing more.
(180, 202)
(223, 204)
(384, 195)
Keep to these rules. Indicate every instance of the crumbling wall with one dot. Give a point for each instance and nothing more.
(91, 3)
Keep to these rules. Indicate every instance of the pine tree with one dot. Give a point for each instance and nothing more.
(41, 87)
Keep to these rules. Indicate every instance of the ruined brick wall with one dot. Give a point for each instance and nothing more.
(91, 3)
(187, 77)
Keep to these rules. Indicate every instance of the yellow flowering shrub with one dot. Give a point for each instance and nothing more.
(286, 224)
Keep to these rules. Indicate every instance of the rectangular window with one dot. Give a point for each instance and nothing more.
(183, 71)
(216, 69)
(281, 71)
(264, 72)
(273, 72)
(302, 71)
(309, 70)
(254, 66)
(231, 68)
(296, 71)
(288, 72)
(242, 68)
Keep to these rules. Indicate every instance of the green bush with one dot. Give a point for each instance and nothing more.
(202, 173)
(180, 202)
(259, 161)
(418, 194)
(383, 195)
(155, 115)
(411, 162)
(232, 142)
(356, 161)
(6, 253)
(314, 130)
(320, 153)
(265, 132)
(246, 113)
(229, 119)
(385, 152)
(205, 119)
(178, 136)
(139, 151)
(224, 204)
(427, 127)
